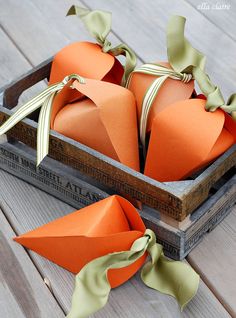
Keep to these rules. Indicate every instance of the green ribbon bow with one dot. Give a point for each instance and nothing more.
(187, 63)
(174, 278)
(45, 101)
(184, 58)
(98, 23)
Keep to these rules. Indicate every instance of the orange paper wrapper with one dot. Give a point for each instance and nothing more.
(185, 137)
(88, 60)
(111, 225)
(105, 121)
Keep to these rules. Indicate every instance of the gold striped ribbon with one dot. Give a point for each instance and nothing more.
(163, 73)
(45, 101)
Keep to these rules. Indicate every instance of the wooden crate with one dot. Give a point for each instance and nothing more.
(72, 187)
(174, 200)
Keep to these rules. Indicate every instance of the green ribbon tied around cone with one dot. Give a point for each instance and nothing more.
(98, 23)
(173, 278)
(186, 63)
(44, 101)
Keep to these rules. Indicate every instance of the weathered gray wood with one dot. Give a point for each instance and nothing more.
(28, 208)
(47, 20)
(220, 13)
(12, 63)
(22, 290)
(168, 199)
(206, 310)
(74, 188)
(215, 258)
(31, 78)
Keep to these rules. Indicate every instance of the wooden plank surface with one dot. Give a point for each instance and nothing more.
(28, 207)
(13, 64)
(22, 290)
(46, 19)
(32, 207)
(215, 258)
(220, 13)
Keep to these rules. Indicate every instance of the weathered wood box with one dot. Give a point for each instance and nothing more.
(180, 212)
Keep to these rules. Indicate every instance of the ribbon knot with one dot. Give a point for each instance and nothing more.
(187, 64)
(186, 77)
(45, 101)
(92, 287)
(98, 24)
(106, 47)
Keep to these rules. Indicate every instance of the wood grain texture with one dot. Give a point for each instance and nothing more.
(221, 13)
(28, 208)
(13, 64)
(22, 290)
(48, 20)
(215, 258)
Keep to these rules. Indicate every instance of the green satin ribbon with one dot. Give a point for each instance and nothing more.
(98, 23)
(173, 278)
(187, 63)
(184, 58)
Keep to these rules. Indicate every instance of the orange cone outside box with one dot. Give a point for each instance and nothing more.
(185, 137)
(110, 225)
(106, 120)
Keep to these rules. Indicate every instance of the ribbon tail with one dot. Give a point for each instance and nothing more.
(230, 107)
(181, 55)
(26, 109)
(148, 101)
(97, 22)
(173, 278)
(44, 128)
(92, 287)
(85, 299)
(130, 63)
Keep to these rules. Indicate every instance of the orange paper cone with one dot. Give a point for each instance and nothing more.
(105, 121)
(185, 137)
(88, 60)
(108, 226)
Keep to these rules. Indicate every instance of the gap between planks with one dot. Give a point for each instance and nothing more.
(11, 225)
(27, 295)
(15, 44)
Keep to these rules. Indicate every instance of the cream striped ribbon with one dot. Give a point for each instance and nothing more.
(163, 73)
(45, 101)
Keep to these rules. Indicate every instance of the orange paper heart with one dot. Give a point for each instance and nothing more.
(108, 226)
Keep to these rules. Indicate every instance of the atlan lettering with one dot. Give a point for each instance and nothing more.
(9, 155)
(49, 175)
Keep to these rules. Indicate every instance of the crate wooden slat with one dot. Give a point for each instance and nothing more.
(170, 198)
(72, 187)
